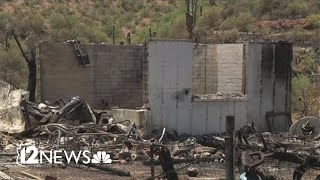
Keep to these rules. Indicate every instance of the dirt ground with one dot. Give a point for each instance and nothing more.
(208, 170)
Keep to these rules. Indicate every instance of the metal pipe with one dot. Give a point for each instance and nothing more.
(229, 148)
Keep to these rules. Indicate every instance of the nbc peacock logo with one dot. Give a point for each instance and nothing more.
(101, 157)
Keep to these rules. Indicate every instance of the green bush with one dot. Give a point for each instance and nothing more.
(304, 92)
(309, 63)
(129, 5)
(314, 20)
(13, 68)
(32, 2)
(59, 21)
(297, 9)
(35, 23)
(229, 36)
(4, 20)
(298, 35)
(241, 22)
(26, 23)
(211, 17)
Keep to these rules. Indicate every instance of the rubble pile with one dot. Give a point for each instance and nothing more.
(74, 126)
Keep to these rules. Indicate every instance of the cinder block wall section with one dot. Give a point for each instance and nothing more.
(61, 76)
(230, 68)
(118, 76)
(113, 77)
(204, 69)
(218, 68)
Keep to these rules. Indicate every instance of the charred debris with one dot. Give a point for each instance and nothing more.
(74, 125)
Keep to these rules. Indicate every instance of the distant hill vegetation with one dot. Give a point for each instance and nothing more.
(92, 21)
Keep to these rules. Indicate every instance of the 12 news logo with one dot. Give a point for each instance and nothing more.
(31, 155)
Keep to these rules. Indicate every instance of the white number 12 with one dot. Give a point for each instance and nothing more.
(32, 159)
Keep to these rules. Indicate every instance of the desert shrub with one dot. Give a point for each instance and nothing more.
(64, 34)
(297, 35)
(35, 23)
(143, 35)
(229, 36)
(314, 20)
(4, 20)
(62, 8)
(211, 17)
(27, 23)
(271, 9)
(314, 7)
(297, 9)
(32, 2)
(107, 30)
(59, 21)
(129, 5)
(173, 26)
(145, 12)
(304, 92)
(309, 63)
(241, 22)
(94, 35)
(13, 68)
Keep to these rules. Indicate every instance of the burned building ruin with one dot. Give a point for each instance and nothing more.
(189, 88)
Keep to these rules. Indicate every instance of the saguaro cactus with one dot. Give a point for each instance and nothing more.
(191, 16)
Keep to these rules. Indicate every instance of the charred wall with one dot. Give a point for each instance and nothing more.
(261, 70)
(114, 76)
(269, 85)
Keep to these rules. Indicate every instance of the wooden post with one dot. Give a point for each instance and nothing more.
(129, 38)
(150, 34)
(113, 34)
(229, 148)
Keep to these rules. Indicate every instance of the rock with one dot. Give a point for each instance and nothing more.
(122, 161)
(133, 157)
(124, 155)
(197, 156)
(4, 176)
(205, 154)
(10, 147)
(192, 172)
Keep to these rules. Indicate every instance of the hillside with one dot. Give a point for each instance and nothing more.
(88, 21)
(221, 21)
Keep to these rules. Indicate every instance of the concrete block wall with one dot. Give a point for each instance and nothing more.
(61, 76)
(118, 76)
(170, 84)
(218, 68)
(209, 116)
(230, 68)
(113, 77)
(204, 69)
(269, 85)
(139, 117)
(267, 77)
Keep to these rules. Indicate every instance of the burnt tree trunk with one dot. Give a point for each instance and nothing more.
(31, 61)
(32, 81)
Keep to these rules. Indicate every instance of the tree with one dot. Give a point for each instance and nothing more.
(32, 66)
